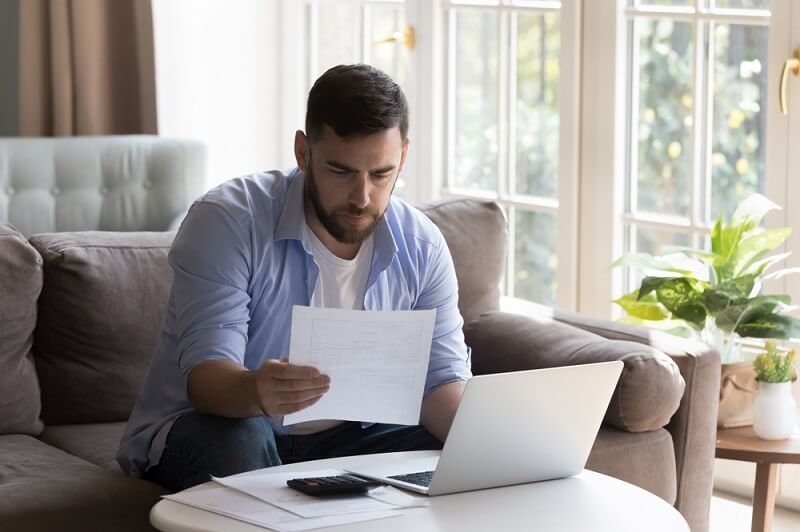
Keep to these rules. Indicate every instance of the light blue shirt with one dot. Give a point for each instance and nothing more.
(241, 260)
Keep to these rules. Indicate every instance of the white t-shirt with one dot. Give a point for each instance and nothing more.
(341, 283)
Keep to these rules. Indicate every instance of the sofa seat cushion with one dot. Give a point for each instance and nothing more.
(100, 310)
(20, 285)
(647, 394)
(43, 488)
(645, 459)
(94, 442)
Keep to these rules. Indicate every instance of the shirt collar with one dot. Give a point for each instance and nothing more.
(293, 216)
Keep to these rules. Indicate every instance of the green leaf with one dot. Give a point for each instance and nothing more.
(644, 261)
(752, 210)
(676, 327)
(777, 274)
(760, 266)
(646, 308)
(771, 326)
(708, 257)
(716, 237)
(755, 247)
(651, 283)
(752, 310)
(683, 297)
(725, 294)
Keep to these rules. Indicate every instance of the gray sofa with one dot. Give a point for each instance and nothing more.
(78, 318)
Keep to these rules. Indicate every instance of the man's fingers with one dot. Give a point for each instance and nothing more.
(291, 408)
(283, 370)
(296, 385)
(288, 398)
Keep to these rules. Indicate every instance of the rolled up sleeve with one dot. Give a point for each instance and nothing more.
(449, 361)
(211, 263)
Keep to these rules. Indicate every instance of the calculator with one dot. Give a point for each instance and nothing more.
(333, 485)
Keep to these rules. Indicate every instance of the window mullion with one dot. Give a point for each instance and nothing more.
(503, 115)
(700, 200)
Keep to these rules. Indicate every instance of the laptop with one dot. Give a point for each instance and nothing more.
(512, 428)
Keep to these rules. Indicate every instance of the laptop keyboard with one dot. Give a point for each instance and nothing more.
(423, 478)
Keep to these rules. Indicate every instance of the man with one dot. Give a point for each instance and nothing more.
(328, 233)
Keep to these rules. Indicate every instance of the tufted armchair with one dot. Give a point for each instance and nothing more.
(106, 183)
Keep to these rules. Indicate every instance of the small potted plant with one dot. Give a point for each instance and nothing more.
(774, 408)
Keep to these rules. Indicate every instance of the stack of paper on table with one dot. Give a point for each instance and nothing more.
(264, 499)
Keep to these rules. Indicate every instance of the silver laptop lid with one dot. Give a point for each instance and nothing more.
(525, 426)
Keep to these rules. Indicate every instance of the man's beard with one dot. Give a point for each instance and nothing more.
(331, 221)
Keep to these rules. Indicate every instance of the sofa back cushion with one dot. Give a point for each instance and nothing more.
(476, 234)
(100, 311)
(20, 284)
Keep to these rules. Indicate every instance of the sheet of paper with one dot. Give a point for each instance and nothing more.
(242, 507)
(272, 488)
(377, 362)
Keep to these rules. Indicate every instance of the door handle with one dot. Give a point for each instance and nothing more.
(790, 65)
(406, 36)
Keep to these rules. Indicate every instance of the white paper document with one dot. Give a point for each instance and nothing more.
(272, 488)
(242, 507)
(377, 362)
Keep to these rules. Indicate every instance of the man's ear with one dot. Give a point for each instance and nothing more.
(301, 150)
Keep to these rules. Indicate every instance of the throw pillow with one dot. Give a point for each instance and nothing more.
(100, 311)
(20, 285)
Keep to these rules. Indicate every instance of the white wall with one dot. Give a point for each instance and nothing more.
(217, 80)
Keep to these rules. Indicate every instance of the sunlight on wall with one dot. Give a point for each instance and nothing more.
(216, 65)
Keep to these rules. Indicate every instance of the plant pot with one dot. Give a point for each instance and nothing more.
(774, 411)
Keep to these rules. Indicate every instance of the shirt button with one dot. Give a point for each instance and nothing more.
(55, 191)
(103, 190)
(10, 191)
(146, 184)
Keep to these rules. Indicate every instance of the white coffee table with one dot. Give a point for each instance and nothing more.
(589, 501)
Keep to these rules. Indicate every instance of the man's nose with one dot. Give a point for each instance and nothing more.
(359, 194)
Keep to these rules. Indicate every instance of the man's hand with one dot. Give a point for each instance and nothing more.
(225, 388)
(285, 388)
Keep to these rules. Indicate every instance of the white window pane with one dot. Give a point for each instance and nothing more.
(662, 3)
(535, 260)
(739, 123)
(648, 240)
(742, 4)
(664, 116)
(537, 119)
(475, 135)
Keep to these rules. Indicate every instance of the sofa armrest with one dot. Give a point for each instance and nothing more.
(649, 389)
(693, 426)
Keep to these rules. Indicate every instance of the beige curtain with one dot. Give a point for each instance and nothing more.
(86, 67)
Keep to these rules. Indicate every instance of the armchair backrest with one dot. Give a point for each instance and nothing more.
(476, 232)
(107, 183)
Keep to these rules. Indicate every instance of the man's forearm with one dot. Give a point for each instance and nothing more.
(223, 388)
(439, 408)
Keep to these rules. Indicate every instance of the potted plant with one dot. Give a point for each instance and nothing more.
(717, 296)
(716, 293)
(774, 409)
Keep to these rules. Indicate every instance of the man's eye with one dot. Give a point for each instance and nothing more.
(383, 176)
(338, 171)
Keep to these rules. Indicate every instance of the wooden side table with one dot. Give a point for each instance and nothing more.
(742, 444)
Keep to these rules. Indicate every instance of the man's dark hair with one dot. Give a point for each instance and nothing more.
(355, 100)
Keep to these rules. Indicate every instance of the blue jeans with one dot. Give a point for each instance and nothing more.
(200, 445)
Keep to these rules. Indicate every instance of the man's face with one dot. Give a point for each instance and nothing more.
(349, 181)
